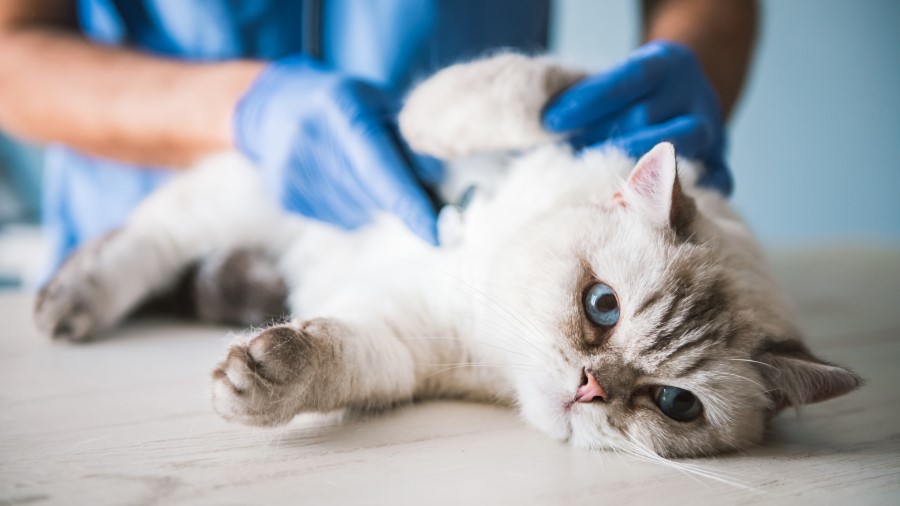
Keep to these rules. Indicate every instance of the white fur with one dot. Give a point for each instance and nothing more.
(510, 86)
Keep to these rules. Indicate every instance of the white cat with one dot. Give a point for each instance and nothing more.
(613, 304)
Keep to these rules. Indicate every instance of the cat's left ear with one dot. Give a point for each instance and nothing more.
(794, 376)
(654, 186)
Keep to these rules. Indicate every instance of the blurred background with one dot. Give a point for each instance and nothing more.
(815, 142)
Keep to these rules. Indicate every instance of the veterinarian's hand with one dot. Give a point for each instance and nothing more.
(659, 93)
(326, 146)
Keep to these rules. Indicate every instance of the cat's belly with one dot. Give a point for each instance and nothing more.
(330, 271)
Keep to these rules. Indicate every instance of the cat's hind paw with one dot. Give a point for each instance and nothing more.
(71, 305)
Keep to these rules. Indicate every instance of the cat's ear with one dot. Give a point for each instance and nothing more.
(793, 376)
(655, 187)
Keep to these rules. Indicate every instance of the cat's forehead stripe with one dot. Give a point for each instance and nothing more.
(668, 308)
(650, 301)
(676, 287)
(691, 368)
(703, 340)
(696, 306)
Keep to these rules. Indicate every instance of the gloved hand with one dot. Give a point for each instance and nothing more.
(659, 93)
(327, 149)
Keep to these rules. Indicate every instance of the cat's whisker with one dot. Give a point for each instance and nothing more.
(450, 367)
(508, 335)
(481, 364)
(618, 452)
(503, 395)
(694, 471)
(519, 318)
(459, 339)
(735, 375)
(706, 471)
(749, 360)
(524, 356)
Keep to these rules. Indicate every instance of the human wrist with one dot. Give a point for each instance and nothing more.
(198, 121)
(228, 83)
(721, 35)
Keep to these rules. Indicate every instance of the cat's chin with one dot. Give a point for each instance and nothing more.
(592, 438)
(552, 418)
(566, 428)
(559, 432)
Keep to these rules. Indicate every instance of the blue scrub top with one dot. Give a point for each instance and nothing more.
(390, 42)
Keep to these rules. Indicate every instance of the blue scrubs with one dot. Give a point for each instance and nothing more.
(390, 42)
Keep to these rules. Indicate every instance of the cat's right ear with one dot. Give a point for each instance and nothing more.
(654, 189)
(794, 376)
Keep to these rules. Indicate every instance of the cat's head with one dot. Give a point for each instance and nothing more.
(647, 323)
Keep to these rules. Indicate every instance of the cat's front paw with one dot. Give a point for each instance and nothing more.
(71, 305)
(277, 374)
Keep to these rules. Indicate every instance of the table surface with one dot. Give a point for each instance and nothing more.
(127, 420)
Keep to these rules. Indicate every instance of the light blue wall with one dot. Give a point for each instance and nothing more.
(815, 145)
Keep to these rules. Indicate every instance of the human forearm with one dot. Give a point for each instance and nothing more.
(116, 103)
(721, 33)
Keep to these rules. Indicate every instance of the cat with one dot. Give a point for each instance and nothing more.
(614, 304)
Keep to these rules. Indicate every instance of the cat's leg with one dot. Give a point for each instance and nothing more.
(218, 206)
(393, 346)
(243, 287)
(485, 106)
(315, 365)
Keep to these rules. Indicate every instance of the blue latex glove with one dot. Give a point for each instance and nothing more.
(659, 93)
(327, 148)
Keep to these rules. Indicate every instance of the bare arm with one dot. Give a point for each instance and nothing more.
(57, 86)
(721, 33)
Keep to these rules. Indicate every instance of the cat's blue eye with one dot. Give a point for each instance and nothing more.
(677, 403)
(601, 305)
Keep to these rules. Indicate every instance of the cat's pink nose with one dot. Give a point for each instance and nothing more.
(590, 390)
